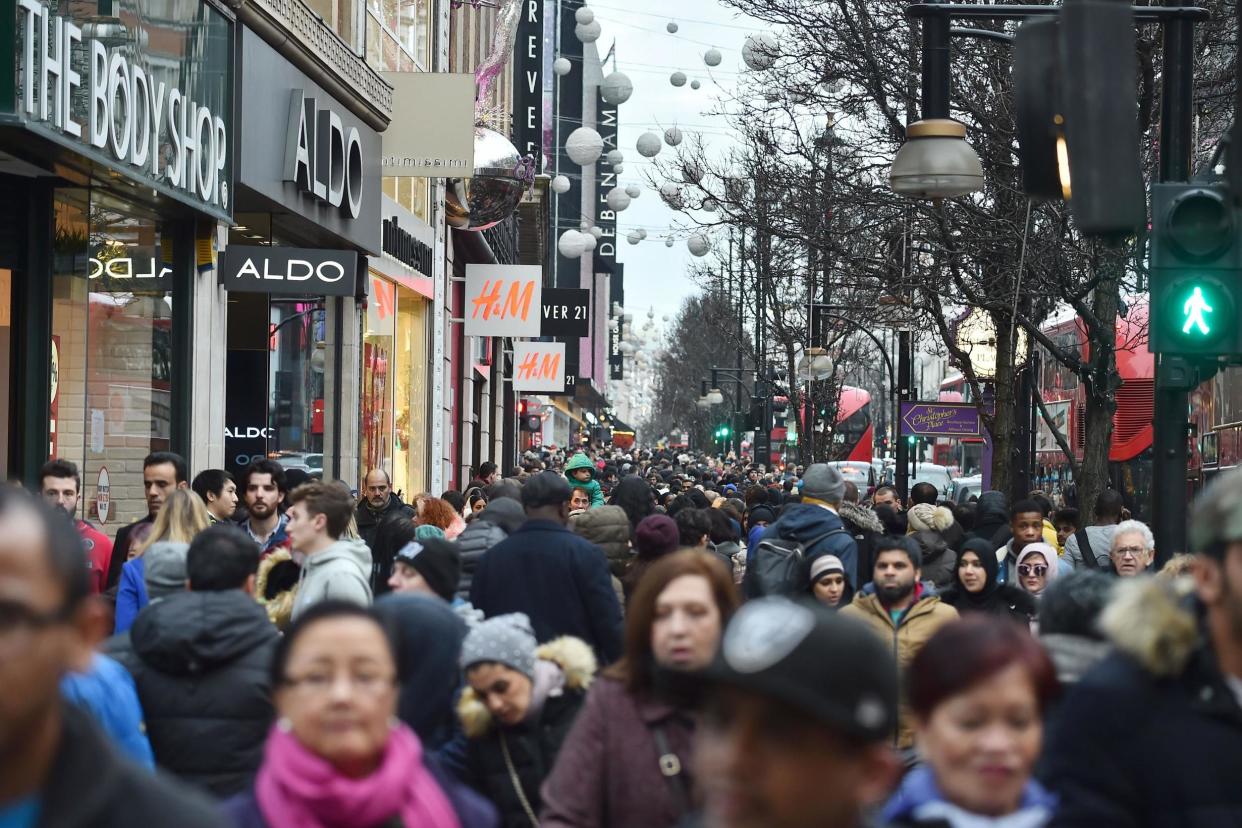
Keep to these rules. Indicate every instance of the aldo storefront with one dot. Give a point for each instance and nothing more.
(116, 155)
(294, 268)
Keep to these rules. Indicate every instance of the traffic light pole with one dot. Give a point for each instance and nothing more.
(903, 394)
(1173, 378)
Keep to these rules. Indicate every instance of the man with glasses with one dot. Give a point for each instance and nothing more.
(1133, 549)
(55, 766)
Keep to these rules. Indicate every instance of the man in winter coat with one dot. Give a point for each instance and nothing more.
(992, 519)
(608, 528)
(1152, 736)
(378, 505)
(815, 522)
(1099, 536)
(546, 571)
(201, 659)
(901, 611)
(336, 566)
(931, 527)
(864, 527)
(496, 522)
(57, 768)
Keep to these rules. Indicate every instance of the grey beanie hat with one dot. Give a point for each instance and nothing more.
(823, 482)
(164, 568)
(503, 639)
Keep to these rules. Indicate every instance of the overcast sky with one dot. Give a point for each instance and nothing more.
(655, 275)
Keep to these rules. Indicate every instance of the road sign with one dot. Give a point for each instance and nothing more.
(921, 419)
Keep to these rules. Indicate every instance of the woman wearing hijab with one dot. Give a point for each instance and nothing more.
(1037, 566)
(975, 589)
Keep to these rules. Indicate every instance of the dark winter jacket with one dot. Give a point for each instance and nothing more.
(634, 495)
(558, 579)
(866, 529)
(994, 598)
(608, 773)
(200, 661)
(806, 522)
(533, 745)
(89, 786)
(939, 562)
(1152, 736)
(608, 528)
(371, 526)
(495, 523)
(992, 519)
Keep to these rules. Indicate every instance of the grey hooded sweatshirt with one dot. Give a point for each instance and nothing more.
(342, 571)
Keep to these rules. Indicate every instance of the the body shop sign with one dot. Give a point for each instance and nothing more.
(148, 92)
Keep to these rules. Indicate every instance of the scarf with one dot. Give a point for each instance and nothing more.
(919, 798)
(297, 789)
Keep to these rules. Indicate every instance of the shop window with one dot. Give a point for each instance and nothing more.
(409, 445)
(6, 340)
(111, 346)
(298, 342)
(377, 368)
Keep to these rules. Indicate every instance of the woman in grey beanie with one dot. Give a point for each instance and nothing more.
(517, 708)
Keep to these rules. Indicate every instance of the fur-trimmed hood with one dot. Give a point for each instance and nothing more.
(861, 517)
(573, 657)
(1152, 620)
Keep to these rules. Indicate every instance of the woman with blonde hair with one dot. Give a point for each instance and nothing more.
(157, 565)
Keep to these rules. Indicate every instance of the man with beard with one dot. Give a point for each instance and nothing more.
(162, 471)
(1153, 734)
(901, 611)
(264, 491)
(61, 485)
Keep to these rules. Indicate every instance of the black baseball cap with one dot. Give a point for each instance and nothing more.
(800, 654)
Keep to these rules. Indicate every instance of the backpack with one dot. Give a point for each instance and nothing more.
(779, 566)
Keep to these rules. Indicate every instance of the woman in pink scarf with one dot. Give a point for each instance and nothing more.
(338, 757)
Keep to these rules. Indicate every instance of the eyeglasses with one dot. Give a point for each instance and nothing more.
(1038, 570)
(18, 617)
(319, 684)
(1135, 552)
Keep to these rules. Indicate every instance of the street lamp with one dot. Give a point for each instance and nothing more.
(715, 397)
(703, 402)
(815, 364)
(936, 162)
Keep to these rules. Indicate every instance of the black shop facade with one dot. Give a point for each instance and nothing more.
(116, 158)
(307, 215)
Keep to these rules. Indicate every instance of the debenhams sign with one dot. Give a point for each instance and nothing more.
(121, 104)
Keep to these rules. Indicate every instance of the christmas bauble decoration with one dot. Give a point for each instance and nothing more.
(671, 27)
(584, 146)
(493, 190)
(677, 78)
(597, 232)
(698, 245)
(671, 195)
(571, 244)
(615, 157)
(588, 33)
(617, 199)
(584, 16)
(560, 184)
(712, 57)
(633, 190)
(694, 84)
(759, 51)
(633, 238)
(668, 242)
(648, 145)
(588, 241)
(693, 171)
(561, 67)
(616, 88)
(672, 136)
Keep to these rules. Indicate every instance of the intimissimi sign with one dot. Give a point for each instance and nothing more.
(160, 114)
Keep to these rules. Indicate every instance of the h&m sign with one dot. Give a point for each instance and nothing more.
(539, 367)
(289, 271)
(503, 300)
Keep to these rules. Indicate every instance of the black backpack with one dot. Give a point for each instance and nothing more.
(779, 566)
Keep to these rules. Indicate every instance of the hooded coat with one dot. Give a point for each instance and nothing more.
(865, 528)
(276, 586)
(992, 519)
(931, 527)
(581, 461)
(497, 754)
(342, 571)
(1152, 736)
(495, 523)
(200, 661)
(994, 598)
(804, 523)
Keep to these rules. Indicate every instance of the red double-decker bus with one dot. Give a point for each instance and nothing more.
(853, 434)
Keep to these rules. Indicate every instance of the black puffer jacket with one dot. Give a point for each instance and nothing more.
(493, 524)
(200, 661)
(608, 528)
(533, 745)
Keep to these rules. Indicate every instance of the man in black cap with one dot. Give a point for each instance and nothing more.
(558, 579)
(431, 566)
(799, 708)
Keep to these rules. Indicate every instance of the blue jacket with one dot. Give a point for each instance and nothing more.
(108, 694)
(558, 579)
(131, 595)
(806, 521)
(919, 802)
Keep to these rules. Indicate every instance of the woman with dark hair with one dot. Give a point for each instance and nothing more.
(476, 501)
(978, 691)
(337, 754)
(626, 760)
(655, 537)
(635, 496)
(974, 587)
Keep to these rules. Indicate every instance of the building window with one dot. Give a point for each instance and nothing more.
(399, 35)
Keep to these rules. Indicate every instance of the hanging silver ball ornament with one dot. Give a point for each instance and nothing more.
(560, 184)
(633, 238)
(584, 146)
(617, 199)
(588, 33)
(672, 136)
(665, 318)
(561, 67)
(618, 169)
(597, 233)
(648, 145)
(588, 242)
(493, 190)
(693, 171)
(615, 156)
(694, 84)
(698, 245)
(584, 16)
(677, 79)
(671, 195)
(642, 233)
(616, 88)
(571, 244)
(584, 225)
(712, 57)
(759, 51)
(668, 242)
(633, 190)
(671, 27)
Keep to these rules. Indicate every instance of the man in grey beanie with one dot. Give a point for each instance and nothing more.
(815, 524)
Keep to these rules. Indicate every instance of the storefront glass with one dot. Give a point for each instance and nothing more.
(111, 347)
(298, 356)
(410, 384)
(377, 390)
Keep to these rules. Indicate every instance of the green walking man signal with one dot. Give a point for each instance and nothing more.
(1193, 310)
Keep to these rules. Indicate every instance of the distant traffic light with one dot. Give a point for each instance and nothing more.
(1196, 270)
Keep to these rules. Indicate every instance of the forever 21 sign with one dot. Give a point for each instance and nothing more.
(288, 271)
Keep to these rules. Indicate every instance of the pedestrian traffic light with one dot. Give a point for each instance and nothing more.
(1196, 271)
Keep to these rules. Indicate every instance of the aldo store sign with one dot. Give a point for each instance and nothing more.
(306, 152)
(288, 271)
(149, 98)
